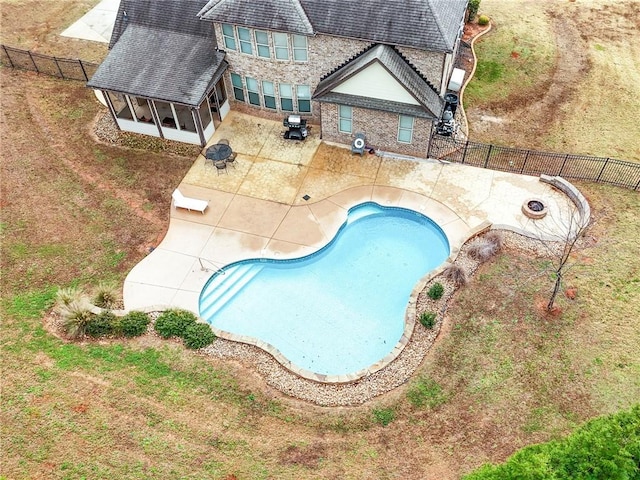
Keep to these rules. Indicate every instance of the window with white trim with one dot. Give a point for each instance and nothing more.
(262, 44)
(229, 37)
(268, 95)
(238, 92)
(405, 128)
(244, 36)
(281, 45)
(252, 90)
(299, 48)
(286, 97)
(345, 119)
(304, 98)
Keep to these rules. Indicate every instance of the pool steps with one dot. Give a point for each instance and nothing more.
(225, 287)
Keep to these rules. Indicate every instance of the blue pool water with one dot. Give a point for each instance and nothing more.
(341, 309)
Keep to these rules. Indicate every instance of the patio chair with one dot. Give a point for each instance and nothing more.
(220, 165)
(180, 201)
(223, 141)
(232, 159)
(358, 144)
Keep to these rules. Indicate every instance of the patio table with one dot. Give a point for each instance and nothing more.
(218, 152)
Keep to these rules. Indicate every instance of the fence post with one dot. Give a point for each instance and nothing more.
(59, 69)
(486, 162)
(87, 78)
(464, 152)
(8, 56)
(563, 164)
(33, 61)
(602, 169)
(524, 164)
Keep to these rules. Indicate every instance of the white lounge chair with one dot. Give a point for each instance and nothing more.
(180, 201)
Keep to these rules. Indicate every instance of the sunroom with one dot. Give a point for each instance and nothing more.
(164, 83)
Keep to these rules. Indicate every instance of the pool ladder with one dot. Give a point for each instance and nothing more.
(205, 269)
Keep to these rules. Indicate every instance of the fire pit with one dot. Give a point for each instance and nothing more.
(534, 208)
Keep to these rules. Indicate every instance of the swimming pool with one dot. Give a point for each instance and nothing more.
(340, 309)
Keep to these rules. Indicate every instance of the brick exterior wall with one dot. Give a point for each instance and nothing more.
(325, 54)
(380, 128)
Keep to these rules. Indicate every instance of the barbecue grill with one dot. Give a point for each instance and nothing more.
(297, 128)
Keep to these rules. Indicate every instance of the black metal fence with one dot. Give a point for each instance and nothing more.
(531, 162)
(66, 68)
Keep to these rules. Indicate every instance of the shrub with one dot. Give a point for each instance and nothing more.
(436, 291)
(76, 316)
(483, 20)
(426, 392)
(134, 324)
(198, 335)
(456, 274)
(67, 296)
(384, 416)
(174, 323)
(482, 249)
(474, 6)
(494, 237)
(427, 319)
(101, 325)
(106, 296)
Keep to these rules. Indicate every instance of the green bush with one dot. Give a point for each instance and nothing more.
(483, 20)
(605, 448)
(474, 6)
(427, 319)
(384, 416)
(134, 324)
(173, 323)
(436, 291)
(426, 392)
(198, 335)
(101, 325)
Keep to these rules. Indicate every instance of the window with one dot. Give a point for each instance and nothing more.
(262, 44)
(405, 129)
(286, 97)
(269, 95)
(345, 119)
(244, 35)
(281, 46)
(236, 81)
(304, 98)
(252, 90)
(229, 37)
(299, 48)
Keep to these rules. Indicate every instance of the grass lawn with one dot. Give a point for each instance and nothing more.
(501, 376)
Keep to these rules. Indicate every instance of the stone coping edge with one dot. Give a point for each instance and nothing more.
(573, 193)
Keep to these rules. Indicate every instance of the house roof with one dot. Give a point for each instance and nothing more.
(161, 49)
(425, 24)
(430, 104)
(160, 64)
(279, 15)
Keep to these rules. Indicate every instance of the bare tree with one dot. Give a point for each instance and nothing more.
(560, 235)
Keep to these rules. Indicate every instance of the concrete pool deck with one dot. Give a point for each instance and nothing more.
(257, 209)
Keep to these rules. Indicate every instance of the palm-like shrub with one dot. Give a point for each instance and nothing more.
(106, 295)
(67, 296)
(481, 249)
(76, 316)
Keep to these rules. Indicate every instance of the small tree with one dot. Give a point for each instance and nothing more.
(560, 246)
(474, 6)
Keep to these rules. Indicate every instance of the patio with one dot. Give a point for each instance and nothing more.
(258, 209)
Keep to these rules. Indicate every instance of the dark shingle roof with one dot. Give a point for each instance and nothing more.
(279, 15)
(424, 24)
(397, 66)
(160, 64)
(176, 15)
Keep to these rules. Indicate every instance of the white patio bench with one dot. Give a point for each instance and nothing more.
(180, 201)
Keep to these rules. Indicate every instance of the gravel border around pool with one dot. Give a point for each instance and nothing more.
(396, 373)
